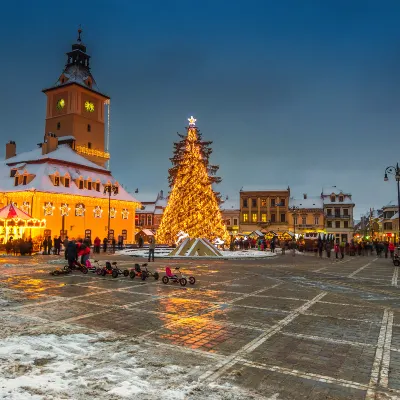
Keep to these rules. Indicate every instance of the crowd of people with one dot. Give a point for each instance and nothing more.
(19, 246)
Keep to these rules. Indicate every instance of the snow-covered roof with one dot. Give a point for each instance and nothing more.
(65, 138)
(230, 204)
(395, 216)
(42, 171)
(62, 153)
(346, 200)
(263, 188)
(148, 232)
(309, 202)
(333, 189)
(77, 74)
(146, 208)
(391, 204)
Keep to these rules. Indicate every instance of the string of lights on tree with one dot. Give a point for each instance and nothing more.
(193, 206)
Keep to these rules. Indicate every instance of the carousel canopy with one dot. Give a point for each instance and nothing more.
(12, 212)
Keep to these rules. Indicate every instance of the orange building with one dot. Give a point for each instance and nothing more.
(64, 180)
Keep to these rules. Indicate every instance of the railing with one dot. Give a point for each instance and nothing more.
(92, 152)
(337, 216)
(307, 226)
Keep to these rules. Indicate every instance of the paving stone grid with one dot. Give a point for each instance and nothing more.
(299, 326)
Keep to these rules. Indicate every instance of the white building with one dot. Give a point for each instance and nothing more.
(338, 213)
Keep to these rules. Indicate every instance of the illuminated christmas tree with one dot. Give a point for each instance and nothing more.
(193, 205)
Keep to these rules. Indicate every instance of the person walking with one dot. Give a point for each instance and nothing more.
(391, 249)
(386, 248)
(97, 243)
(44, 246)
(341, 248)
(65, 244)
(113, 243)
(320, 248)
(336, 249)
(105, 242)
(49, 245)
(152, 246)
(328, 249)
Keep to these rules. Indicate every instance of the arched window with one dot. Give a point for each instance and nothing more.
(149, 219)
(89, 129)
(80, 210)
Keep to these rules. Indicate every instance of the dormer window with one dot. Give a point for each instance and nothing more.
(97, 186)
(81, 184)
(116, 190)
(56, 181)
(333, 198)
(25, 180)
(66, 182)
(16, 180)
(341, 199)
(13, 172)
(89, 185)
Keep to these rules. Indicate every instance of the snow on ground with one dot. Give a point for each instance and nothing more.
(100, 366)
(164, 253)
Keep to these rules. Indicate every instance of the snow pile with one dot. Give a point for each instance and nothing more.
(164, 253)
(77, 366)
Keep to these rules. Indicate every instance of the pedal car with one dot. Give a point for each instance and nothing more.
(177, 277)
(105, 270)
(117, 271)
(143, 272)
(396, 260)
(137, 271)
(75, 265)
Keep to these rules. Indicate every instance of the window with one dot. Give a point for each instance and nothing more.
(346, 211)
(316, 220)
(89, 185)
(245, 217)
(149, 219)
(81, 184)
(228, 222)
(272, 202)
(333, 199)
(235, 221)
(56, 181)
(116, 190)
(88, 234)
(142, 220)
(58, 125)
(111, 234)
(89, 129)
(329, 211)
(254, 217)
(295, 220)
(245, 203)
(304, 220)
(66, 182)
(263, 202)
(346, 224)
(124, 234)
(283, 217)
(282, 203)
(254, 202)
(263, 217)
(16, 179)
(337, 212)
(337, 224)
(25, 180)
(98, 186)
(89, 145)
(329, 224)
(13, 172)
(273, 218)
(341, 199)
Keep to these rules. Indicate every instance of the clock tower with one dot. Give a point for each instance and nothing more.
(75, 106)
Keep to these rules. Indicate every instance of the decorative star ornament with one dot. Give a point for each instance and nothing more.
(192, 121)
(97, 212)
(80, 210)
(64, 210)
(113, 212)
(125, 213)
(48, 209)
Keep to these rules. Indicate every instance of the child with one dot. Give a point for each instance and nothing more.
(336, 249)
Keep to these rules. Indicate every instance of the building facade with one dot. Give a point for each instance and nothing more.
(306, 215)
(150, 214)
(58, 183)
(389, 230)
(338, 213)
(264, 209)
(230, 210)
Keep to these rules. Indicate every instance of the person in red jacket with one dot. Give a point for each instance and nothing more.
(391, 249)
(97, 244)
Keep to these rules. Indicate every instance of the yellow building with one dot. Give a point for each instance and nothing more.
(63, 180)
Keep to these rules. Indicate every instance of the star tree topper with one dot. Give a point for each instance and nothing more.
(192, 121)
(97, 212)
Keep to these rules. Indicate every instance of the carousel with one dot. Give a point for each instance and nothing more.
(14, 223)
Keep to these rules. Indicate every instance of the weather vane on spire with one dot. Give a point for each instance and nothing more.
(192, 121)
(79, 33)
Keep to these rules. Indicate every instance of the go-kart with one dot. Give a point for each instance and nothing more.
(117, 271)
(177, 277)
(143, 272)
(396, 260)
(75, 265)
(111, 269)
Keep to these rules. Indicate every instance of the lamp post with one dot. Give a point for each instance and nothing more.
(396, 172)
(108, 189)
(294, 209)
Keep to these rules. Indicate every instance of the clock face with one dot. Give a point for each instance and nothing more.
(60, 104)
(89, 106)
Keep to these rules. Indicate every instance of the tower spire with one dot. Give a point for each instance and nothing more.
(79, 33)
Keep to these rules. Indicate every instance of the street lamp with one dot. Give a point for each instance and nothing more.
(108, 189)
(396, 172)
(295, 214)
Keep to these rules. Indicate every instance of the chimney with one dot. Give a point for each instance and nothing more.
(305, 196)
(50, 143)
(161, 194)
(11, 149)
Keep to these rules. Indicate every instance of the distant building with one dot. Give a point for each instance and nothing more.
(338, 213)
(230, 209)
(264, 209)
(388, 224)
(306, 215)
(149, 215)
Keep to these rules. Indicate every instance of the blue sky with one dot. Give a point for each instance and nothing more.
(299, 93)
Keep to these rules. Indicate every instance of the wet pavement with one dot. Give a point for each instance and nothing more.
(283, 328)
